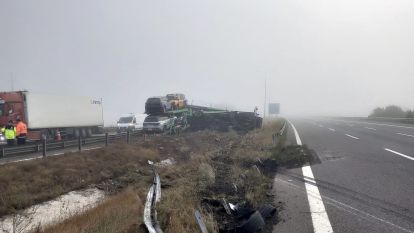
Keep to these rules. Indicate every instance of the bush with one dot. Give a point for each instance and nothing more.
(391, 111)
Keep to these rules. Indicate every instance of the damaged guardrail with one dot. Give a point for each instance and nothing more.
(153, 197)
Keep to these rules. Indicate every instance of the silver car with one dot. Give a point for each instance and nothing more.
(157, 124)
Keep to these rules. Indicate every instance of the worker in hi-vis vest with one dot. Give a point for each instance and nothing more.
(9, 133)
(21, 131)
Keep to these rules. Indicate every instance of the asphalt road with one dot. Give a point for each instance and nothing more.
(365, 178)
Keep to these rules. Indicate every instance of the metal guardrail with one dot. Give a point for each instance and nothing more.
(150, 212)
(44, 146)
(280, 133)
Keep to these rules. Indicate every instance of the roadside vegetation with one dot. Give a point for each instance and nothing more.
(26, 183)
(392, 111)
(207, 166)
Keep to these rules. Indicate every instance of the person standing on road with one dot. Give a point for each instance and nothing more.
(21, 131)
(10, 133)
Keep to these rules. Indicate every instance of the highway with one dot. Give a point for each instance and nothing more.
(365, 178)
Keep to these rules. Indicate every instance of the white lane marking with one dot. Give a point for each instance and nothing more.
(351, 210)
(21, 160)
(309, 180)
(408, 135)
(333, 130)
(370, 128)
(93, 148)
(320, 219)
(59, 153)
(298, 141)
(352, 136)
(398, 153)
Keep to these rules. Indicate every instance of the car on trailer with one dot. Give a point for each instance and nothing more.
(158, 124)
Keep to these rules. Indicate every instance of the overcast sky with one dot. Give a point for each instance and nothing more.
(320, 57)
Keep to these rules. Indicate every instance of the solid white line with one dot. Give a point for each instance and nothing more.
(349, 209)
(333, 130)
(351, 136)
(320, 219)
(398, 153)
(370, 128)
(408, 135)
(93, 148)
(298, 141)
(21, 160)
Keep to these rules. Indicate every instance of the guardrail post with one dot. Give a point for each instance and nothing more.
(274, 137)
(80, 143)
(3, 151)
(106, 139)
(128, 136)
(63, 144)
(44, 146)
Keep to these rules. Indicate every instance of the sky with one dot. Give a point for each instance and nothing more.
(318, 57)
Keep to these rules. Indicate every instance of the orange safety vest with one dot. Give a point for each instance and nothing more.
(21, 128)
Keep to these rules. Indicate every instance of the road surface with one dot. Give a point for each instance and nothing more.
(364, 181)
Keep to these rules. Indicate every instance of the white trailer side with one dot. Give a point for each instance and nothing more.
(50, 111)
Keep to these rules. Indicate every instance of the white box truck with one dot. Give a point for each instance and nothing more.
(49, 114)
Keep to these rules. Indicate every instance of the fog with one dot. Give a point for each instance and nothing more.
(320, 57)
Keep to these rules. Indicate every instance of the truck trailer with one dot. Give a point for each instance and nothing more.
(47, 115)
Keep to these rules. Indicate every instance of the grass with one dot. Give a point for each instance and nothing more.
(208, 163)
(26, 183)
(118, 213)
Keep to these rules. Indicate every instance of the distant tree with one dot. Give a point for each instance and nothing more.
(410, 114)
(378, 112)
(391, 111)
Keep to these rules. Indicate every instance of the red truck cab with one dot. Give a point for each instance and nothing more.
(11, 106)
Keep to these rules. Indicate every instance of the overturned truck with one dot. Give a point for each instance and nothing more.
(194, 118)
(225, 120)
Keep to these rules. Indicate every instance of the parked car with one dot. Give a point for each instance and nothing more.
(158, 105)
(158, 124)
(177, 101)
(131, 122)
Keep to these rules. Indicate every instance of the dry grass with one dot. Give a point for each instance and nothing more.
(264, 135)
(26, 183)
(206, 163)
(118, 213)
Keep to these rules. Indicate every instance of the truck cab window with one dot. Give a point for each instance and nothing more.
(2, 109)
